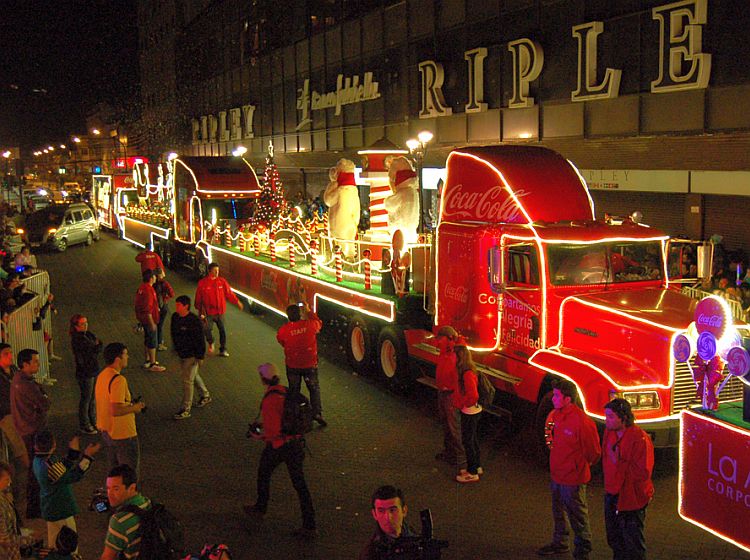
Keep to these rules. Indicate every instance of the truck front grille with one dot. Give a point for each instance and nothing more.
(684, 389)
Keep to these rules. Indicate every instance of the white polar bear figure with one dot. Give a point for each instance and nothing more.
(342, 198)
(403, 204)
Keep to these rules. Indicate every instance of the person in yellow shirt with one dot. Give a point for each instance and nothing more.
(116, 409)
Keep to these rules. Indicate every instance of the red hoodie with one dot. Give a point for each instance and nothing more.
(446, 376)
(149, 261)
(300, 342)
(470, 396)
(628, 463)
(212, 295)
(146, 304)
(575, 446)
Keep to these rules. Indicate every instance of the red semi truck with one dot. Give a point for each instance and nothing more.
(519, 265)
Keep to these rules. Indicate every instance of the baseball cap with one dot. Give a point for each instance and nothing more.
(268, 371)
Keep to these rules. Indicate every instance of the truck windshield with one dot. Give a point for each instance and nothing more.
(227, 209)
(603, 263)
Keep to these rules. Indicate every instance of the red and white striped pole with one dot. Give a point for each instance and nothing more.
(339, 264)
(256, 243)
(368, 269)
(292, 253)
(308, 238)
(216, 235)
(272, 246)
(314, 258)
(228, 237)
(241, 245)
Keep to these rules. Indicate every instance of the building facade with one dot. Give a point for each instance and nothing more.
(649, 98)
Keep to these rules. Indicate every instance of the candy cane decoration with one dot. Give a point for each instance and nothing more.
(325, 222)
(314, 258)
(308, 237)
(292, 253)
(256, 244)
(228, 237)
(368, 269)
(339, 264)
(216, 236)
(272, 247)
(244, 242)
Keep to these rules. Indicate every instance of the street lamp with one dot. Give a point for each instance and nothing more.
(172, 156)
(76, 140)
(95, 131)
(239, 151)
(418, 148)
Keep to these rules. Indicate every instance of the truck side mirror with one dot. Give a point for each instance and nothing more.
(705, 260)
(497, 280)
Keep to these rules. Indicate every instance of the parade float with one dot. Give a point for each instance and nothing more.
(110, 196)
(714, 474)
(518, 264)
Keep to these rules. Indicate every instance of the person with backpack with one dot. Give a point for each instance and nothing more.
(466, 399)
(280, 448)
(125, 529)
(446, 380)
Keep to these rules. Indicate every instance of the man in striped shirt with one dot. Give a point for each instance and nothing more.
(124, 533)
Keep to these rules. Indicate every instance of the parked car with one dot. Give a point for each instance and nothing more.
(61, 225)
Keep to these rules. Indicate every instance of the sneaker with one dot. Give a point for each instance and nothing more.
(467, 477)
(224, 354)
(89, 430)
(182, 414)
(253, 511)
(480, 470)
(55, 357)
(162, 346)
(552, 549)
(319, 420)
(156, 367)
(203, 401)
(305, 534)
(146, 365)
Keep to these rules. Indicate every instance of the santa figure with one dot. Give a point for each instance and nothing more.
(342, 198)
(403, 204)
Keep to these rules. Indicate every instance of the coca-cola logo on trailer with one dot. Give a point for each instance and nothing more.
(491, 205)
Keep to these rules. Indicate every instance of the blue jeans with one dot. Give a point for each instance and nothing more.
(624, 530)
(86, 404)
(569, 505)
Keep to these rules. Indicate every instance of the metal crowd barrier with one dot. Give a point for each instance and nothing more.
(19, 332)
(736, 307)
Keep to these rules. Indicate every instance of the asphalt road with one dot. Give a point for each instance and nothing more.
(204, 469)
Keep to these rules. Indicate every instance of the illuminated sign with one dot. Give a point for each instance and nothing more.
(348, 90)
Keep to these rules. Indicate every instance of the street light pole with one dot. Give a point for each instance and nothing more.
(418, 149)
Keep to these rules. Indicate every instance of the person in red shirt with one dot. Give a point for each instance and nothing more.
(149, 260)
(280, 448)
(299, 339)
(211, 303)
(147, 313)
(446, 379)
(628, 463)
(466, 399)
(574, 446)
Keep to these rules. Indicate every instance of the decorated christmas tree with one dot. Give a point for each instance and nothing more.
(271, 202)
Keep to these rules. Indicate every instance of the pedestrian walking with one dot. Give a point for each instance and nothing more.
(86, 348)
(280, 448)
(628, 463)
(116, 409)
(29, 407)
(190, 344)
(299, 338)
(56, 476)
(446, 379)
(149, 260)
(574, 446)
(164, 293)
(211, 303)
(147, 313)
(466, 399)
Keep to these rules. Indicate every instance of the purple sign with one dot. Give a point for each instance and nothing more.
(711, 316)
(706, 345)
(682, 349)
(738, 361)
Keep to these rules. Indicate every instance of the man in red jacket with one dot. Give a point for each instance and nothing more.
(149, 260)
(628, 462)
(211, 303)
(299, 339)
(573, 447)
(147, 313)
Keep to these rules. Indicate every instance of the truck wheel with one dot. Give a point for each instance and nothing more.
(359, 347)
(166, 255)
(201, 267)
(540, 424)
(393, 359)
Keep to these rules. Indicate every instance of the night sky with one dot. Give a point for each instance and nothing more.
(58, 58)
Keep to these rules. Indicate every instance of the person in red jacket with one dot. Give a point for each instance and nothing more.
(147, 313)
(280, 448)
(299, 339)
(573, 447)
(628, 462)
(446, 379)
(211, 303)
(466, 399)
(149, 260)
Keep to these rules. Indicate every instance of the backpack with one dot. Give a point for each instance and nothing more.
(486, 390)
(162, 537)
(297, 418)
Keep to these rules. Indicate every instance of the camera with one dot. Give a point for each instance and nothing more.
(99, 501)
(423, 547)
(254, 429)
(136, 400)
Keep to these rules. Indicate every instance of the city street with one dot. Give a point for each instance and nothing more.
(203, 468)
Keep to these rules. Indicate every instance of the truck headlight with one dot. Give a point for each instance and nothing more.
(640, 400)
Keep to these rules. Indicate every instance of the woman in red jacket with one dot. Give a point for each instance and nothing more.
(466, 400)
